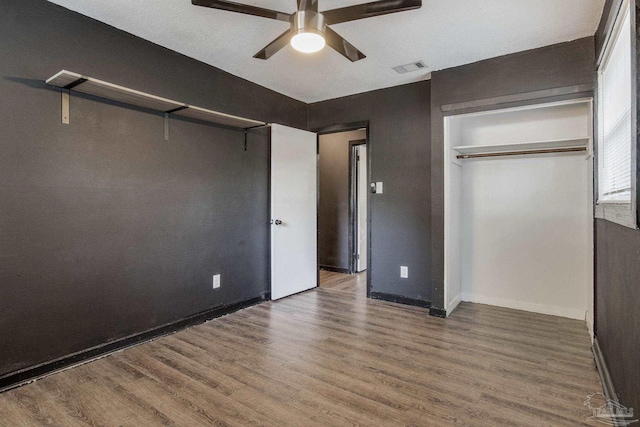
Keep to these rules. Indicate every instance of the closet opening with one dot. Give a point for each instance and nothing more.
(519, 208)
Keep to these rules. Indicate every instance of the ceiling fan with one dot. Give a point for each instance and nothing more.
(310, 30)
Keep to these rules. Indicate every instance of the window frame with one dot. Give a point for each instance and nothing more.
(620, 212)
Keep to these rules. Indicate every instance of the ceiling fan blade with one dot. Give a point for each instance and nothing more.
(273, 47)
(342, 46)
(368, 10)
(243, 8)
(311, 5)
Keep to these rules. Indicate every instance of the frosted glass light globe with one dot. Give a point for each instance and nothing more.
(308, 42)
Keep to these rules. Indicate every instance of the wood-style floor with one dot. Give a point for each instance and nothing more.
(330, 357)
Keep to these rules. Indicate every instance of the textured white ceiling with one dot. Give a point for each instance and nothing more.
(443, 33)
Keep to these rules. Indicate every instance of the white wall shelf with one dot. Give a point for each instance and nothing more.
(523, 146)
(88, 85)
(215, 117)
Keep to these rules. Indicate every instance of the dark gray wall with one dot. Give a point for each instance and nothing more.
(106, 230)
(334, 200)
(399, 150)
(557, 66)
(618, 287)
(618, 305)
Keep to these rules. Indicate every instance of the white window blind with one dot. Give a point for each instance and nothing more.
(615, 116)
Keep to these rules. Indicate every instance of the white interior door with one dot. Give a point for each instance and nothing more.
(294, 186)
(363, 191)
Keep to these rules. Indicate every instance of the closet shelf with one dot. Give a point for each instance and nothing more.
(523, 146)
(79, 83)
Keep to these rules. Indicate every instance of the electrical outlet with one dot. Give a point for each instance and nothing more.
(216, 281)
(404, 272)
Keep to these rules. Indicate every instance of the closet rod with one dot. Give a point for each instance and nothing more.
(523, 152)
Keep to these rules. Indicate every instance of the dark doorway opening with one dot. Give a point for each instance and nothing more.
(343, 211)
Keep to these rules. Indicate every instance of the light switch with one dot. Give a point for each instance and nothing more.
(378, 188)
(404, 272)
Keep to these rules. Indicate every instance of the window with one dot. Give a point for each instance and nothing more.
(616, 143)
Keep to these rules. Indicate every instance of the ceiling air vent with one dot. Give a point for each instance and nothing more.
(407, 68)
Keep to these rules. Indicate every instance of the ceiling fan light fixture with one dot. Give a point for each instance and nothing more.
(308, 42)
(310, 29)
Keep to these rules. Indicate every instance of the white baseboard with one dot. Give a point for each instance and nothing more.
(453, 304)
(526, 306)
(588, 318)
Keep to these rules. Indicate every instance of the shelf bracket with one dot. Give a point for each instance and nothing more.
(246, 131)
(167, 114)
(166, 126)
(66, 96)
(245, 140)
(65, 106)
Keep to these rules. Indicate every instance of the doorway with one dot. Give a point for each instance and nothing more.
(358, 191)
(343, 178)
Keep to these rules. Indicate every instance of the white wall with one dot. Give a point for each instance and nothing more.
(563, 121)
(363, 193)
(525, 234)
(453, 219)
(519, 229)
